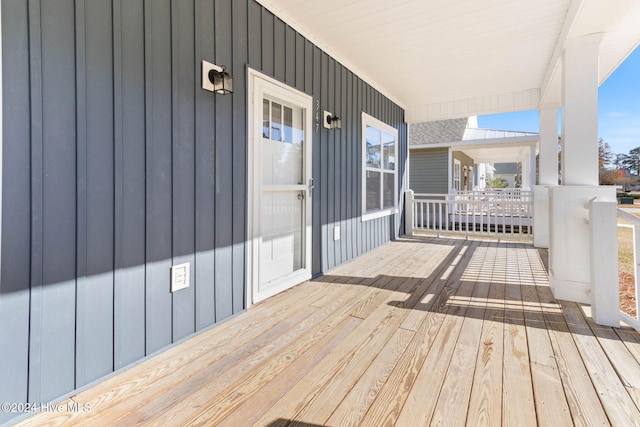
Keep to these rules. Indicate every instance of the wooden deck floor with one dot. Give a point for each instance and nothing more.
(421, 331)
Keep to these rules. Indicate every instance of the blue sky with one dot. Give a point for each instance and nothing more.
(618, 103)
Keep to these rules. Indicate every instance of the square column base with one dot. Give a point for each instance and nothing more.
(569, 240)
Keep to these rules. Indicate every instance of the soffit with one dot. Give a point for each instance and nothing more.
(446, 59)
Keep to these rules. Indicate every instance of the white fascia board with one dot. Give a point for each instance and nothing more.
(508, 141)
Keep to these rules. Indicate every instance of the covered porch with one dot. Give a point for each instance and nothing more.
(416, 332)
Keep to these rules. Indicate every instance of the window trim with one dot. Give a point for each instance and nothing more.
(371, 121)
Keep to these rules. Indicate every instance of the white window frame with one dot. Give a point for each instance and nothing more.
(457, 169)
(370, 121)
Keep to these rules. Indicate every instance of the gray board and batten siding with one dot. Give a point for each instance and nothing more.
(116, 165)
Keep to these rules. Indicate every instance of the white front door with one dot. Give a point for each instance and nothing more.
(280, 182)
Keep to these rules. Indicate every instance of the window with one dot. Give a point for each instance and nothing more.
(456, 174)
(380, 182)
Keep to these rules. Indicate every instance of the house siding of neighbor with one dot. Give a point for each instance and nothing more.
(428, 172)
(428, 166)
(506, 171)
(117, 165)
(465, 162)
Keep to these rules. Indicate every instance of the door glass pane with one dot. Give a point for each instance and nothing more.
(282, 231)
(288, 125)
(266, 122)
(373, 147)
(389, 151)
(388, 190)
(283, 156)
(276, 122)
(373, 190)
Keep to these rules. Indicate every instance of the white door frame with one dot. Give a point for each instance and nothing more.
(258, 85)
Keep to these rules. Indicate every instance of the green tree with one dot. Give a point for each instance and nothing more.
(497, 182)
(632, 161)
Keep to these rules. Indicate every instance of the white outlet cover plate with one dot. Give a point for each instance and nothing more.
(336, 233)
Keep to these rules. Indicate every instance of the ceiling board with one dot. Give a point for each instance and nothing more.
(421, 53)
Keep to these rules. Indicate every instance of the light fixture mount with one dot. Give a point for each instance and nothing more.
(331, 121)
(215, 78)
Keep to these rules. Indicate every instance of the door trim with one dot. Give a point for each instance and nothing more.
(253, 173)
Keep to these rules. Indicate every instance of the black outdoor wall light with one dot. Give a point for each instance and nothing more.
(331, 121)
(216, 79)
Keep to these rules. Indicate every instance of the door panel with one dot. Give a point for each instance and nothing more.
(282, 234)
(280, 195)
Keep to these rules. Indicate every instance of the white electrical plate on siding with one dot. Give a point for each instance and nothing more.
(180, 274)
(336, 232)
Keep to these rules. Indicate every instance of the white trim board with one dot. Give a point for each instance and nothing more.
(515, 141)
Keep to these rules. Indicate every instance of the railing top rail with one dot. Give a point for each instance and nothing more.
(474, 193)
(497, 190)
(453, 198)
(480, 202)
(628, 216)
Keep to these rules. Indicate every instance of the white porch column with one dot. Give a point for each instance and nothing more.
(532, 167)
(524, 172)
(580, 111)
(548, 164)
(570, 246)
(548, 145)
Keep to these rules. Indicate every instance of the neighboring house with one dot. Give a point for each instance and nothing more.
(456, 155)
(139, 208)
(508, 172)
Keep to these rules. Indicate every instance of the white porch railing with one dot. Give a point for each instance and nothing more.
(495, 214)
(634, 224)
(498, 194)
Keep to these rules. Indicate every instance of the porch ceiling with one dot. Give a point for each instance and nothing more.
(507, 154)
(458, 58)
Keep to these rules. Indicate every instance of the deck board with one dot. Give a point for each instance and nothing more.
(582, 398)
(419, 331)
(615, 399)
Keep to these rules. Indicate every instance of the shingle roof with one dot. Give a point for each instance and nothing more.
(438, 131)
(455, 130)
